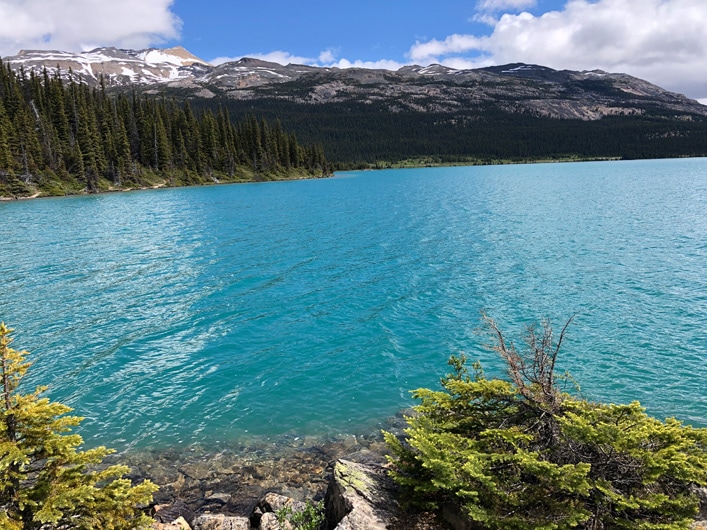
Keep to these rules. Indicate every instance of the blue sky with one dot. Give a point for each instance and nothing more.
(367, 30)
(662, 41)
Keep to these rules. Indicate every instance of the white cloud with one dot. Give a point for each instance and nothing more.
(277, 56)
(382, 64)
(662, 41)
(433, 50)
(75, 25)
(327, 58)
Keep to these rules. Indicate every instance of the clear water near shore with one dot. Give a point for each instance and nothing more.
(310, 308)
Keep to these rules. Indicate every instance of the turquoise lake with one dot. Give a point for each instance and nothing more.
(204, 315)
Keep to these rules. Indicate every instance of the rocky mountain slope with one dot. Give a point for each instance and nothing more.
(117, 67)
(529, 89)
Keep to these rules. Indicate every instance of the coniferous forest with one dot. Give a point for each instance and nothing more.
(358, 134)
(59, 137)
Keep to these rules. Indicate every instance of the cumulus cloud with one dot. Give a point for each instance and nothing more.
(76, 25)
(382, 64)
(277, 56)
(327, 58)
(663, 41)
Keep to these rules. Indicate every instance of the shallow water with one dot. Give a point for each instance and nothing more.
(310, 308)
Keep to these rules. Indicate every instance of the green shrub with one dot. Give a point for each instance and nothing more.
(45, 481)
(309, 518)
(521, 453)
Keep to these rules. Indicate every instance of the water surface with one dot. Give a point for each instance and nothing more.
(203, 315)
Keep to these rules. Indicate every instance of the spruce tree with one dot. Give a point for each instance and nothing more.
(7, 163)
(46, 482)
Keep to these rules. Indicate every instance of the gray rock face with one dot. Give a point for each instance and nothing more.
(360, 497)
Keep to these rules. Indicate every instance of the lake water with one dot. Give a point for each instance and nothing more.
(205, 315)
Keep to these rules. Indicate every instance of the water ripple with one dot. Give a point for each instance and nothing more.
(192, 315)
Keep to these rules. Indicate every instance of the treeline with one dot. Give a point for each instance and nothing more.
(59, 137)
(364, 132)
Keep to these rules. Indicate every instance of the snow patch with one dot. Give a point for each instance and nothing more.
(522, 67)
(156, 57)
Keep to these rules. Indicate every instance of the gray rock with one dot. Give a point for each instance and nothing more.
(269, 522)
(273, 502)
(223, 498)
(168, 513)
(701, 521)
(701, 493)
(177, 524)
(360, 497)
(221, 522)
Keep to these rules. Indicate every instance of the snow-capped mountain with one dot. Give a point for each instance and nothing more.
(517, 87)
(116, 67)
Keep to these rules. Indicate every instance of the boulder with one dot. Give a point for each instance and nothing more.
(360, 497)
(168, 513)
(177, 524)
(274, 502)
(701, 521)
(221, 522)
(269, 522)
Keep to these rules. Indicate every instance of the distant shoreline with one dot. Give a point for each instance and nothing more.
(159, 185)
(414, 163)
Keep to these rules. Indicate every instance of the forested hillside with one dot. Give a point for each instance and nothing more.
(363, 132)
(58, 138)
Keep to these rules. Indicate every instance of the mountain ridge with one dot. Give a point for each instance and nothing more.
(516, 87)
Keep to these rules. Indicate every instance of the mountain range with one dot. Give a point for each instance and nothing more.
(429, 114)
(534, 89)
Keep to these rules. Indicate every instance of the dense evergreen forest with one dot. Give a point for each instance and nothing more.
(59, 137)
(364, 133)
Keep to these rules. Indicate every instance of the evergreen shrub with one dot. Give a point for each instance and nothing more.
(522, 453)
(46, 482)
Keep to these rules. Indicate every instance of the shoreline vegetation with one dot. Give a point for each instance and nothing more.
(245, 177)
(61, 138)
(250, 177)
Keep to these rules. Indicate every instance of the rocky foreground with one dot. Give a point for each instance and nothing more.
(359, 497)
(247, 487)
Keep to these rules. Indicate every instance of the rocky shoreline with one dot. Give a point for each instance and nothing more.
(244, 485)
(232, 481)
(235, 488)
